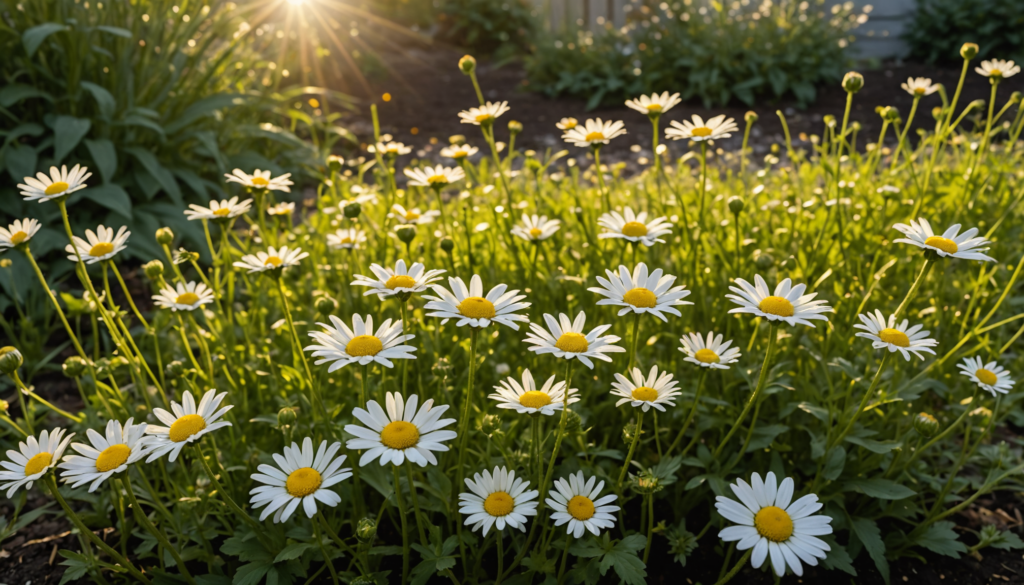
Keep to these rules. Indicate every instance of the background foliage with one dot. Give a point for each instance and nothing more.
(938, 24)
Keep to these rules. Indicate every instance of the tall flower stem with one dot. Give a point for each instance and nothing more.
(56, 305)
(693, 410)
(565, 555)
(761, 380)
(467, 409)
(341, 543)
(405, 528)
(314, 395)
(561, 431)
(143, 519)
(903, 135)
(913, 288)
(23, 389)
(636, 339)
(415, 504)
(940, 136)
(632, 449)
(238, 511)
(323, 550)
(605, 194)
(736, 568)
(863, 402)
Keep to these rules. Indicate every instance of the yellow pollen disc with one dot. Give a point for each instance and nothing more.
(706, 356)
(400, 281)
(535, 232)
(303, 482)
(459, 154)
(222, 212)
(634, 229)
(895, 337)
(55, 188)
(774, 524)
(18, 237)
(594, 136)
(185, 427)
(534, 399)
(919, 91)
(654, 108)
(260, 182)
(438, 180)
(945, 244)
(701, 132)
(113, 457)
(572, 342)
(499, 504)
(188, 298)
(273, 261)
(101, 249)
(481, 118)
(580, 508)
(776, 306)
(986, 377)
(38, 463)
(645, 393)
(363, 345)
(995, 73)
(640, 298)
(400, 435)
(570, 125)
(411, 216)
(476, 308)
(345, 241)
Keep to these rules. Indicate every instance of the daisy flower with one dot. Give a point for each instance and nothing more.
(273, 259)
(260, 180)
(991, 376)
(225, 209)
(770, 523)
(32, 460)
(710, 352)
(187, 424)
(594, 133)
(536, 228)
(641, 292)
(654, 104)
(400, 433)
(435, 178)
(919, 86)
(301, 477)
(285, 208)
(997, 69)
(565, 339)
(497, 497)
(109, 454)
(576, 502)
(483, 115)
(102, 244)
(654, 390)
(788, 303)
(346, 239)
(390, 148)
(698, 130)
(633, 227)
(965, 246)
(459, 151)
(360, 344)
(889, 335)
(567, 124)
(60, 183)
(18, 233)
(184, 297)
(470, 307)
(397, 281)
(413, 215)
(525, 398)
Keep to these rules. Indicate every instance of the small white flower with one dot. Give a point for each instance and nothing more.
(346, 239)
(17, 233)
(226, 209)
(102, 244)
(59, 183)
(285, 208)
(184, 297)
(594, 133)
(187, 424)
(965, 246)
(655, 390)
(400, 433)
(360, 344)
(497, 498)
(525, 398)
(413, 215)
(301, 477)
(577, 503)
(788, 303)
(483, 115)
(641, 292)
(470, 307)
(998, 69)
(991, 376)
(920, 86)
(887, 189)
(710, 352)
(698, 130)
(32, 460)
(459, 152)
(565, 339)
(272, 259)
(567, 124)
(434, 177)
(633, 227)
(887, 334)
(536, 228)
(109, 454)
(390, 148)
(260, 180)
(397, 281)
(654, 104)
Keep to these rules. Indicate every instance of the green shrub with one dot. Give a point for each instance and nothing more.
(487, 26)
(996, 25)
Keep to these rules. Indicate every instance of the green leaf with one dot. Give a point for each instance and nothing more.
(293, 551)
(104, 155)
(158, 172)
(68, 131)
(139, 120)
(871, 537)
(874, 446)
(203, 107)
(1007, 540)
(20, 161)
(837, 556)
(764, 435)
(17, 92)
(77, 566)
(111, 196)
(115, 30)
(28, 129)
(35, 36)
(104, 99)
(884, 489)
(836, 462)
(252, 573)
(940, 538)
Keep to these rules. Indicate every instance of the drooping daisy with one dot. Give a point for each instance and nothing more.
(497, 497)
(633, 227)
(184, 297)
(18, 233)
(225, 209)
(285, 208)
(655, 389)
(525, 398)
(710, 352)
(470, 307)
(594, 133)
(459, 151)
(965, 246)
(483, 115)
(413, 215)
(59, 183)
(991, 376)
(187, 424)
(301, 477)
(272, 259)
(654, 104)
(698, 130)
(641, 292)
(788, 303)
(998, 69)
(887, 334)
(360, 344)
(390, 148)
(567, 124)
(435, 178)
(260, 180)
(346, 239)
(397, 281)
(400, 433)
(109, 454)
(32, 460)
(102, 244)
(565, 339)
(920, 86)
(773, 525)
(577, 503)
(536, 228)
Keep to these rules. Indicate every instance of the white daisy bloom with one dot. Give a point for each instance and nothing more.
(525, 398)
(17, 233)
(390, 148)
(497, 497)
(633, 227)
(32, 460)
(225, 209)
(951, 243)
(397, 281)
(187, 424)
(887, 334)
(483, 115)
(710, 352)
(788, 303)
(773, 525)
(301, 477)
(346, 239)
(109, 454)
(594, 133)
(698, 130)
(285, 208)
(260, 180)
(184, 297)
(565, 339)
(998, 68)
(577, 503)
(272, 259)
(920, 86)
(536, 228)
(641, 292)
(470, 307)
(459, 152)
(654, 104)
(360, 344)
(369, 198)
(102, 244)
(400, 433)
(59, 183)
(567, 124)
(991, 376)
(434, 177)
(413, 215)
(655, 389)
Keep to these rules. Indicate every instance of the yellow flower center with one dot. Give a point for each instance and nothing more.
(188, 298)
(580, 508)
(411, 216)
(572, 342)
(481, 118)
(634, 229)
(986, 377)
(776, 306)
(995, 73)
(303, 482)
(273, 261)
(534, 399)
(459, 154)
(101, 249)
(18, 237)
(569, 124)
(706, 356)
(112, 457)
(535, 232)
(499, 504)
(344, 241)
(919, 90)
(185, 427)
(222, 212)
(55, 188)
(363, 345)
(774, 524)
(640, 298)
(400, 435)
(594, 136)
(945, 244)
(645, 393)
(38, 463)
(701, 132)
(654, 108)
(895, 337)
(400, 281)
(260, 182)
(438, 180)
(476, 308)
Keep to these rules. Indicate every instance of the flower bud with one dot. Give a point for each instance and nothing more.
(5, 262)
(763, 260)
(164, 236)
(1015, 97)
(154, 269)
(286, 416)
(335, 162)
(750, 117)
(406, 233)
(117, 362)
(74, 367)
(925, 424)
(628, 432)
(457, 139)
(573, 422)
(326, 305)
(352, 210)
(853, 82)
(969, 51)
(736, 204)
(4, 406)
(890, 113)
(447, 244)
(467, 64)
(174, 369)
(829, 120)
(937, 112)
(10, 360)
(514, 127)
(366, 530)
(490, 423)
(978, 104)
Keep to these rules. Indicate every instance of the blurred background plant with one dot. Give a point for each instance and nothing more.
(938, 24)
(488, 27)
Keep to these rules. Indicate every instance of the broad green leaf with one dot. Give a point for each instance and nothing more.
(28, 129)
(294, 551)
(835, 463)
(35, 36)
(111, 196)
(872, 445)
(252, 573)
(837, 557)
(884, 489)
(942, 539)
(871, 537)
(201, 108)
(68, 131)
(104, 99)
(20, 161)
(143, 121)
(116, 30)
(158, 172)
(104, 155)
(17, 92)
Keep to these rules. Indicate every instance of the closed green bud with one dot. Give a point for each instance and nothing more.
(969, 51)
(736, 204)
(514, 127)
(853, 82)
(628, 432)
(74, 367)
(750, 117)
(573, 422)
(335, 162)
(154, 269)
(937, 112)
(829, 120)
(1015, 97)
(4, 406)
(855, 125)
(447, 244)
(117, 362)
(406, 233)
(286, 416)
(763, 260)
(890, 113)
(925, 424)
(174, 369)
(457, 139)
(978, 104)
(366, 530)
(490, 423)
(10, 360)
(352, 210)
(326, 305)
(164, 236)
(467, 64)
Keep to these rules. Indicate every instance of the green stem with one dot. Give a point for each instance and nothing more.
(863, 401)
(762, 379)
(693, 410)
(140, 514)
(632, 449)
(405, 528)
(736, 568)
